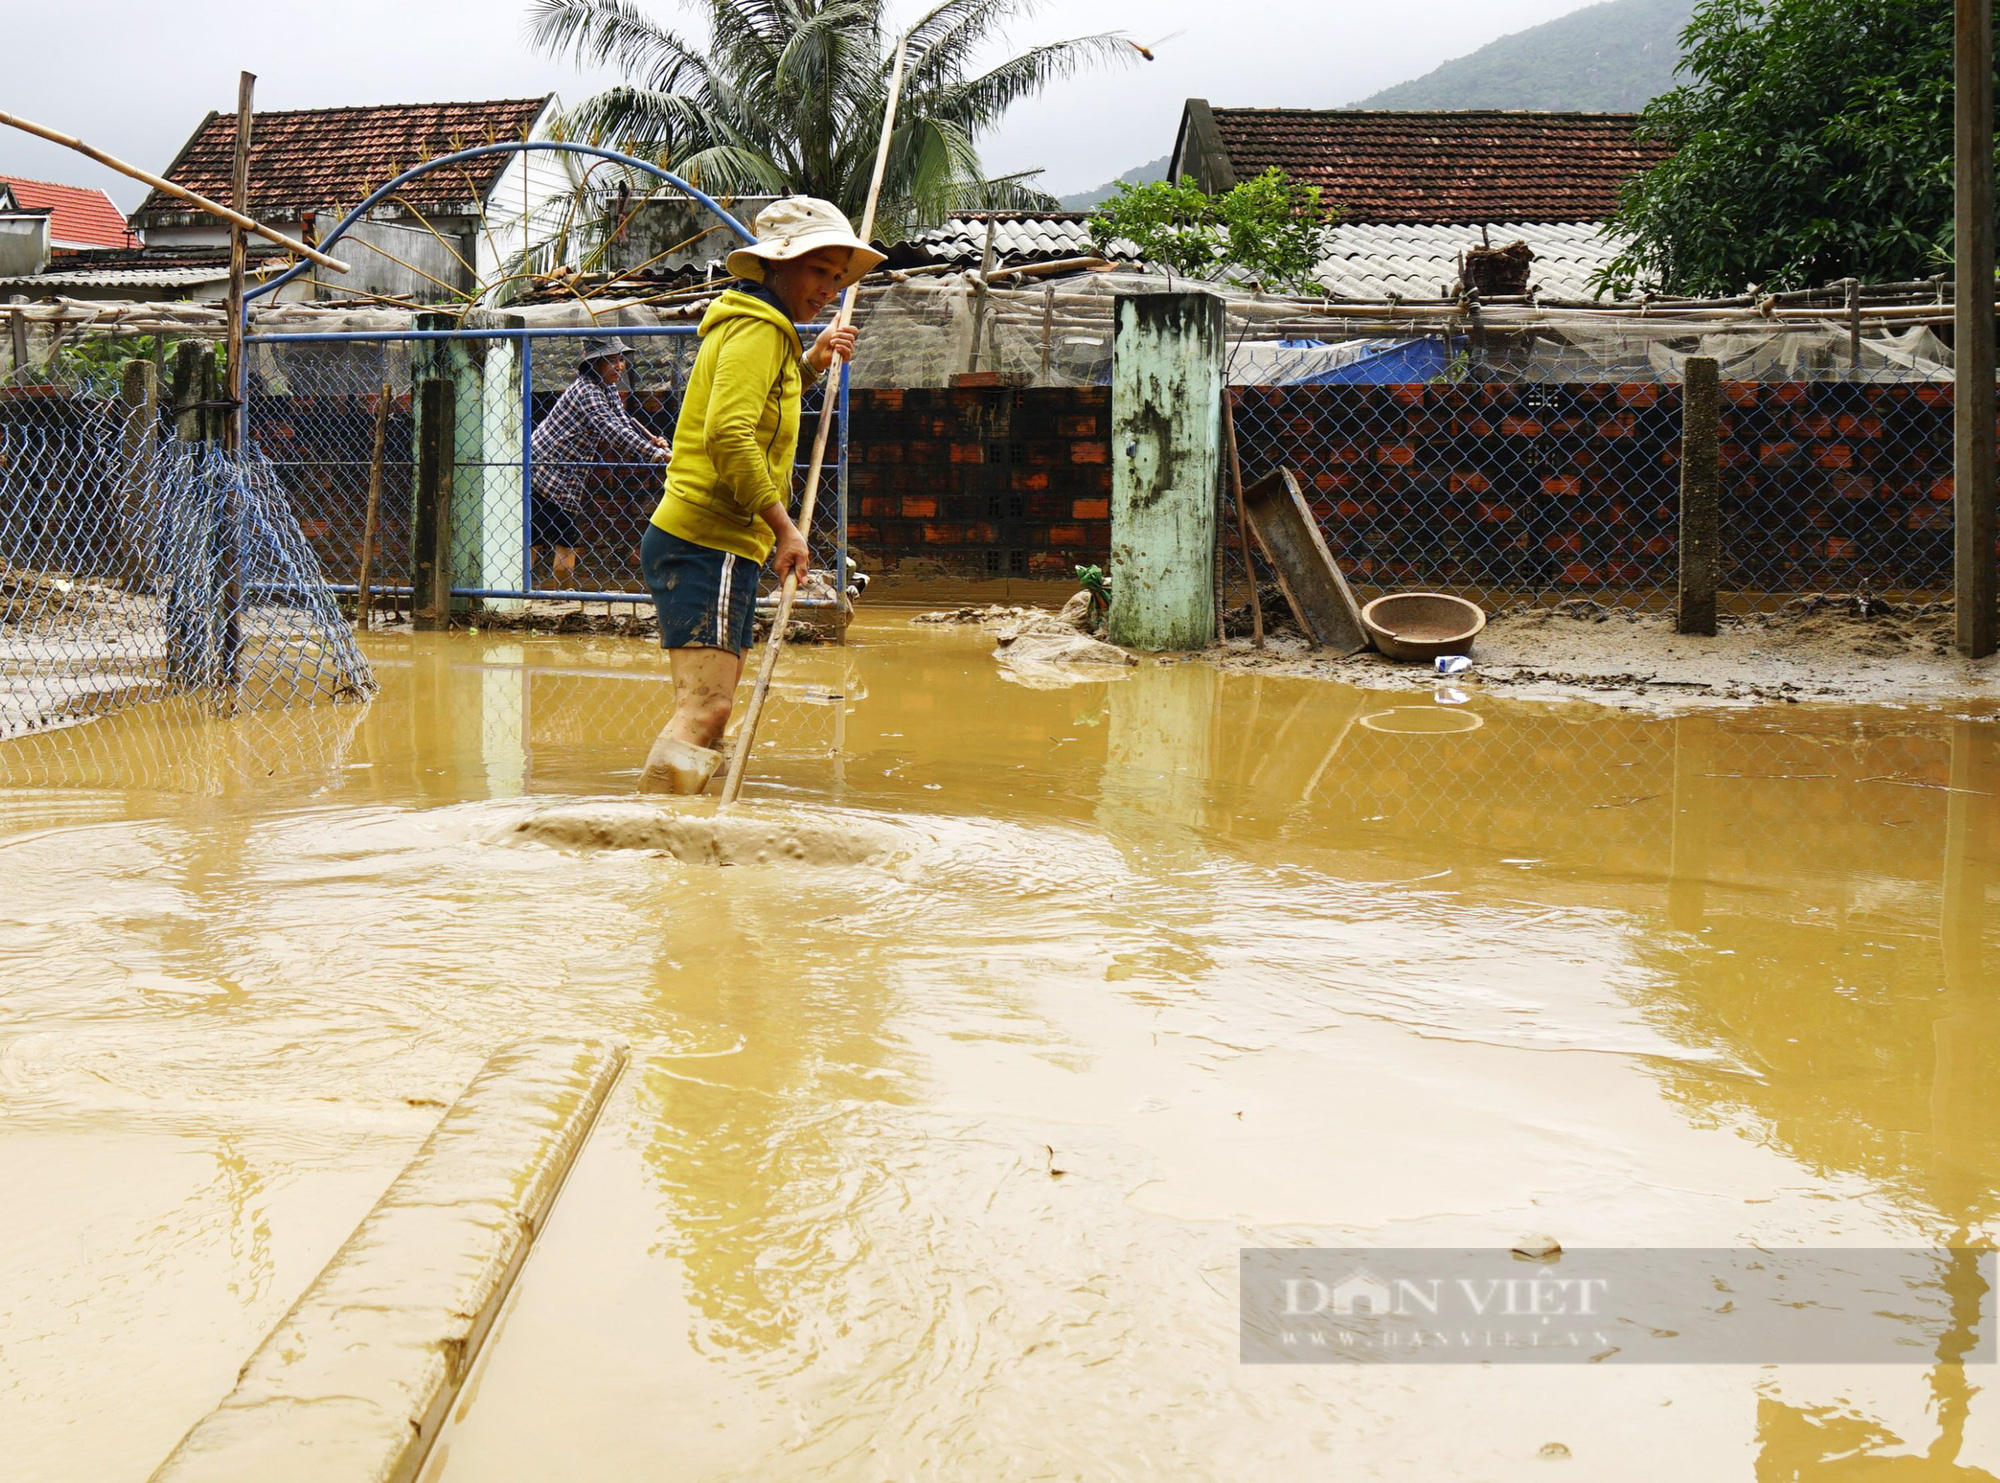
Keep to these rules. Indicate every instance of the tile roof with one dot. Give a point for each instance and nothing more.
(79, 215)
(1470, 166)
(1420, 260)
(316, 159)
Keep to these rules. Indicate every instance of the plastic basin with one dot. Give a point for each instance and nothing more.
(1422, 625)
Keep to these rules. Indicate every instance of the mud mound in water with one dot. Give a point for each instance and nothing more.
(1045, 653)
(770, 837)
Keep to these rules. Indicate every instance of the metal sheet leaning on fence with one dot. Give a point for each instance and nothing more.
(725, 513)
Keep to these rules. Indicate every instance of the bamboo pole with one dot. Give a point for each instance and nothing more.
(363, 596)
(746, 734)
(1242, 523)
(235, 218)
(239, 184)
(1974, 579)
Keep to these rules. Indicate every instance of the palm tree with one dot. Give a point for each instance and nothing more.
(788, 96)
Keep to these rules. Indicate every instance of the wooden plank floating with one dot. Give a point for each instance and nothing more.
(1307, 573)
(354, 1382)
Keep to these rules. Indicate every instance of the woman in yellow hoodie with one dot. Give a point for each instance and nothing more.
(730, 481)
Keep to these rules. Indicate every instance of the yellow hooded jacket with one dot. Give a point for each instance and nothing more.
(738, 433)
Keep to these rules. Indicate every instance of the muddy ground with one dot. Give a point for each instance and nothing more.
(1821, 648)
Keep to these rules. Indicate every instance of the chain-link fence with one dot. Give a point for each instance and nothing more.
(1534, 492)
(553, 473)
(138, 566)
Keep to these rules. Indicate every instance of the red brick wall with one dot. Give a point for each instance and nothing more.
(976, 483)
(1527, 487)
(1505, 487)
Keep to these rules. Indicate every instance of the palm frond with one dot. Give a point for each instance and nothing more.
(615, 32)
(978, 103)
(788, 95)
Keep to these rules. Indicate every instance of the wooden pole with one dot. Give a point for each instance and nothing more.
(1242, 524)
(1854, 327)
(363, 596)
(980, 295)
(1048, 330)
(17, 328)
(185, 391)
(430, 533)
(1973, 463)
(746, 734)
(1700, 543)
(213, 208)
(139, 390)
(239, 184)
(225, 543)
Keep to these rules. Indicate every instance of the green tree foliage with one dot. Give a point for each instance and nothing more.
(1271, 231)
(1813, 142)
(786, 96)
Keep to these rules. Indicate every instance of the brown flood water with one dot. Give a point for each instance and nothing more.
(938, 1167)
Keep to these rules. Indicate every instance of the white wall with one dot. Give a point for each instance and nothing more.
(24, 244)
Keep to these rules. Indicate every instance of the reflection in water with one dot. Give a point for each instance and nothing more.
(940, 1170)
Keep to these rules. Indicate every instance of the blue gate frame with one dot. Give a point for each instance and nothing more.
(524, 339)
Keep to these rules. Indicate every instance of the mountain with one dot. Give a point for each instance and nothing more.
(1084, 200)
(1609, 58)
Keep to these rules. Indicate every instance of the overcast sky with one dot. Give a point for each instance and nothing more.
(134, 77)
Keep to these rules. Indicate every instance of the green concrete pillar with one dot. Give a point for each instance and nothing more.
(498, 558)
(1167, 362)
(488, 520)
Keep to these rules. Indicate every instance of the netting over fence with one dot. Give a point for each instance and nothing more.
(924, 332)
(137, 566)
(1539, 492)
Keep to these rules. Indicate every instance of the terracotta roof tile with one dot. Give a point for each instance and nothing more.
(317, 159)
(79, 216)
(1469, 166)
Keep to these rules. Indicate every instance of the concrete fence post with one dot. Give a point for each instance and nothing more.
(1700, 544)
(1167, 375)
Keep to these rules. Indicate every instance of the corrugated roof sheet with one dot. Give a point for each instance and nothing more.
(314, 159)
(1018, 237)
(79, 215)
(1420, 260)
(1366, 260)
(152, 278)
(1471, 166)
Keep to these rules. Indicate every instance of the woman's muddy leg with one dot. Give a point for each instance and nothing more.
(686, 753)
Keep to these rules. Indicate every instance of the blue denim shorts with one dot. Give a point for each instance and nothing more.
(707, 599)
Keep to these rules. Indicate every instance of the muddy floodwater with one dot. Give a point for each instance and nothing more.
(937, 1150)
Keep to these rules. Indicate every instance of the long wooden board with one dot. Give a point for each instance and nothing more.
(354, 1382)
(1290, 540)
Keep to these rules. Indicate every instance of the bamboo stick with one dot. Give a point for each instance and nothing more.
(235, 218)
(363, 597)
(1242, 523)
(746, 734)
(239, 177)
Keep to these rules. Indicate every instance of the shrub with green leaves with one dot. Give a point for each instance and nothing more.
(1272, 231)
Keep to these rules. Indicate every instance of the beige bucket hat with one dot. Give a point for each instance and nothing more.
(796, 225)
